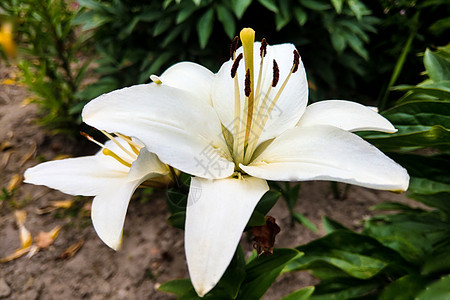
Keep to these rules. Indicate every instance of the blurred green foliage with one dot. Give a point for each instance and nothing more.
(137, 38)
(49, 58)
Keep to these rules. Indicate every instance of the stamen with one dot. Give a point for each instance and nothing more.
(91, 139)
(117, 143)
(247, 89)
(108, 152)
(233, 46)
(276, 74)
(263, 49)
(155, 79)
(133, 145)
(236, 65)
(296, 61)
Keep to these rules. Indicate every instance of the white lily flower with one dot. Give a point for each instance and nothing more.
(238, 128)
(112, 175)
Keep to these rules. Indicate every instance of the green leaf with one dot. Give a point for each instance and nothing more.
(404, 288)
(440, 90)
(302, 294)
(395, 206)
(305, 221)
(337, 5)
(262, 272)
(357, 255)
(331, 225)
(161, 26)
(300, 15)
(204, 27)
(268, 200)
(233, 277)
(437, 67)
(438, 200)
(177, 219)
(338, 40)
(438, 290)
(178, 287)
(346, 288)
(227, 20)
(281, 21)
(270, 5)
(240, 6)
(176, 201)
(315, 4)
(438, 260)
(185, 13)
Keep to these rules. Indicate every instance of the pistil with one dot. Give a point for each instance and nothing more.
(248, 38)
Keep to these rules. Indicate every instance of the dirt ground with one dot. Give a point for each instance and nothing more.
(152, 251)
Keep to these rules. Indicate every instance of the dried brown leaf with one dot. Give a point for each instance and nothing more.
(15, 181)
(28, 155)
(44, 239)
(72, 250)
(264, 236)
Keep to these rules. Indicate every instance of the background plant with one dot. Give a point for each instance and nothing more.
(50, 61)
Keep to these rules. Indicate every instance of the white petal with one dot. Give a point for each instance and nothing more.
(182, 130)
(109, 209)
(327, 153)
(78, 176)
(145, 164)
(190, 77)
(216, 215)
(291, 103)
(347, 115)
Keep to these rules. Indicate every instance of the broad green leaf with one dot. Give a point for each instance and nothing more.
(177, 219)
(233, 277)
(438, 200)
(439, 259)
(440, 90)
(357, 255)
(205, 26)
(305, 221)
(227, 20)
(338, 40)
(438, 290)
(346, 289)
(178, 287)
(262, 272)
(270, 5)
(302, 294)
(404, 288)
(337, 5)
(437, 67)
(256, 219)
(240, 6)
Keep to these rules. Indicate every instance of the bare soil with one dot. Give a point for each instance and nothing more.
(152, 251)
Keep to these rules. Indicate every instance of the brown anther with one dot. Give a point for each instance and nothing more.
(233, 46)
(84, 134)
(247, 89)
(263, 49)
(276, 74)
(236, 65)
(296, 61)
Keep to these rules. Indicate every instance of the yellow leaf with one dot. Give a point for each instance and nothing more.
(14, 182)
(45, 239)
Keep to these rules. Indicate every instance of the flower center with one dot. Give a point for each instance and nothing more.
(248, 127)
(127, 157)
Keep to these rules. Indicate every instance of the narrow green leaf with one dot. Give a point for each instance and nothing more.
(204, 27)
(337, 5)
(302, 294)
(185, 13)
(270, 5)
(300, 15)
(227, 20)
(240, 6)
(305, 221)
(315, 5)
(331, 225)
